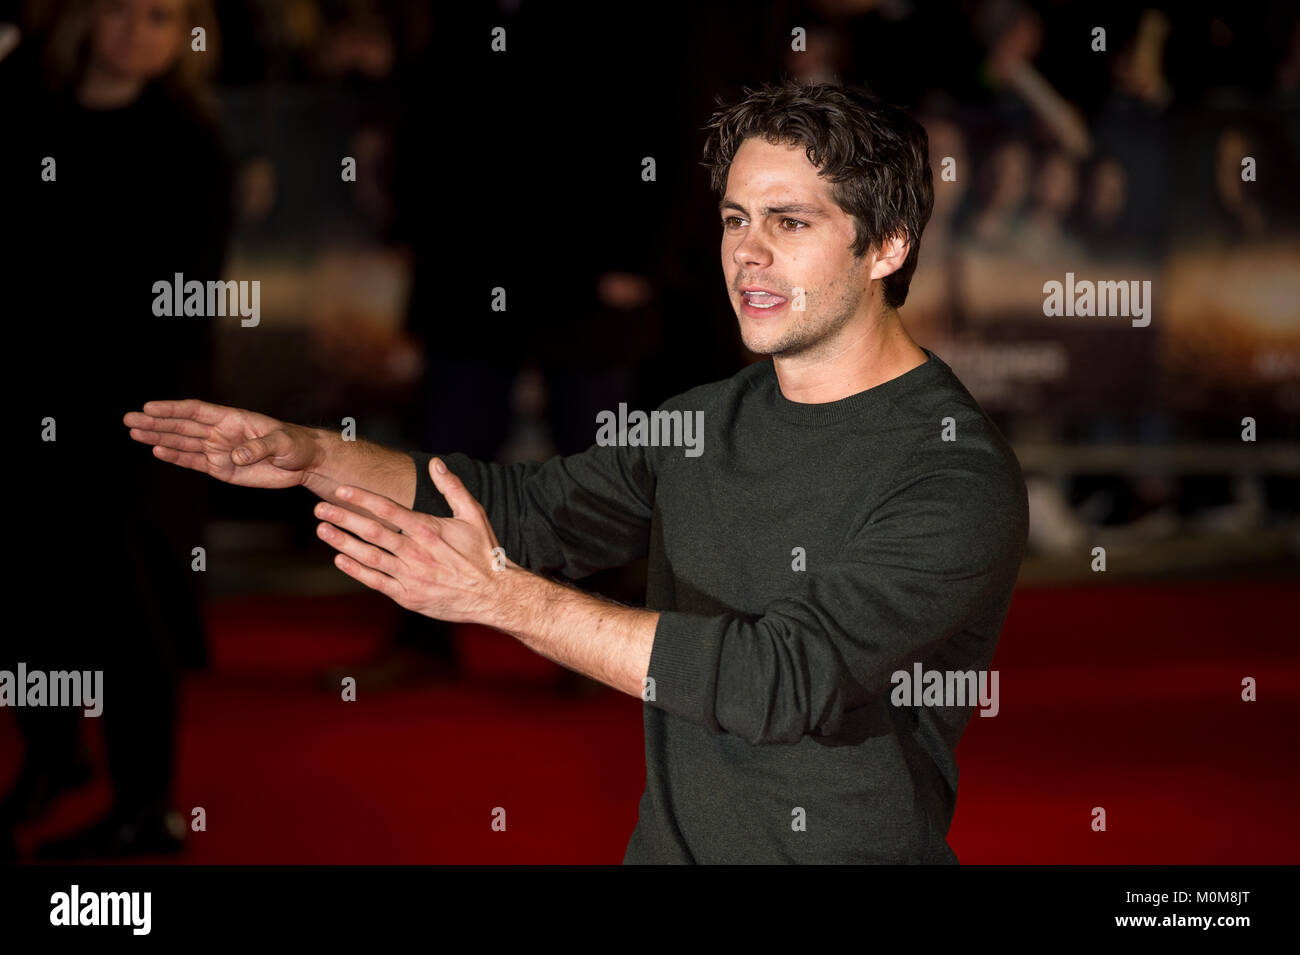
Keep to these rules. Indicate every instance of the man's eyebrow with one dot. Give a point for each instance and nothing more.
(796, 208)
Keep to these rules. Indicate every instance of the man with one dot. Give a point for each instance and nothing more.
(849, 512)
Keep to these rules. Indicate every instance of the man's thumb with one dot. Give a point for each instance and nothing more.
(250, 452)
(450, 487)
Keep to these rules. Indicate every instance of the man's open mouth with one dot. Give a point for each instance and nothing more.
(761, 298)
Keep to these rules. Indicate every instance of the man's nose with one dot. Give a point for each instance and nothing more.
(752, 251)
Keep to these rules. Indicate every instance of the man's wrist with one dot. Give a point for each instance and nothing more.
(320, 471)
(514, 600)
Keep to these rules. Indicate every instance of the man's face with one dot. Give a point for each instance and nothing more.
(781, 231)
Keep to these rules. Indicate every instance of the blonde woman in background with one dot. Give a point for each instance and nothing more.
(115, 174)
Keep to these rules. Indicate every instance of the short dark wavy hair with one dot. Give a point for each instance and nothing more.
(875, 156)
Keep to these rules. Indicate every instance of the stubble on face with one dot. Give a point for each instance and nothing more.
(828, 309)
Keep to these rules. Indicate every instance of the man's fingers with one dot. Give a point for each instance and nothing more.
(185, 459)
(463, 504)
(177, 441)
(398, 519)
(385, 508)
(144, 422)
(371, 578)
(204, 412)
(366, 554)
(363, 527)
(459, 499)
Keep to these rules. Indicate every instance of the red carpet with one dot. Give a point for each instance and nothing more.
(1124, 697)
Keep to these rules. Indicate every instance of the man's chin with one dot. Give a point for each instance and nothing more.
(760, 343)
(769, 345)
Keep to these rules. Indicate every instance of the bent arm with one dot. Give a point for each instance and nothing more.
(943, 553)
(598, 638)
(571, 515)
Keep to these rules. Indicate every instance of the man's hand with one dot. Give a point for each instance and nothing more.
(446, 568)
(440, 567)
(230, 444)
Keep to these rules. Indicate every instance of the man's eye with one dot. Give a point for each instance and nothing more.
(797, 224)
(729, 222)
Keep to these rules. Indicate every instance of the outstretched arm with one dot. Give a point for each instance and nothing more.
(253, 450)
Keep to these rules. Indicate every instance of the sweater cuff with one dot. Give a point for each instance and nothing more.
(684, 665)
(428, 499)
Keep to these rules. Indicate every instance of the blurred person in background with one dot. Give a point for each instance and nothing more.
(1011, 33)
(507, 386)
(463, 396)
(933, 300)
(1044, 236)
(1240, 215)
(1102, 215)
(115, 176)
(1004, 187)
(1133, 127)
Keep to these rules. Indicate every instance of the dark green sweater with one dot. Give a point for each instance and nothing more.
(771, 736)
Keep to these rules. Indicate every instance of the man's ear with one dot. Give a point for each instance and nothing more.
(892, 255)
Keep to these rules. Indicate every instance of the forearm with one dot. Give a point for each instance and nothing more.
(359, 464)
(598, 638)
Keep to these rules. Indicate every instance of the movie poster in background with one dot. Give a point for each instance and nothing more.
(1232, 275)
(1211, 262)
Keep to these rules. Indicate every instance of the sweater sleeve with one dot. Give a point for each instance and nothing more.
(942, 549)
(574, 514)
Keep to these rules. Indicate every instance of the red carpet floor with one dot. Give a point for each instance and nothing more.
(1125, 697)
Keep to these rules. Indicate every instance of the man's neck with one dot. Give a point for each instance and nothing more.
(860, 357)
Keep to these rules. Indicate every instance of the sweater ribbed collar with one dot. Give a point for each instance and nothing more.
(873, 400)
